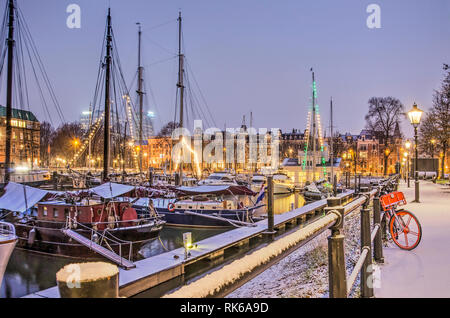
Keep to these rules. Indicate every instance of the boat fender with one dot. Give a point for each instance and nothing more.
(111, 221)
(95, 238)
(31, 236)
(171, 207)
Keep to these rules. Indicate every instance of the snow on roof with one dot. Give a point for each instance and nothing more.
(216, 189)
(19, 197)
(111, 190)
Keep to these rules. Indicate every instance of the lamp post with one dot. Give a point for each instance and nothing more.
(408, 146)
(387, 151)
(415, 114)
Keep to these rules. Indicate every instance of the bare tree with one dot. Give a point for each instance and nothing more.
(168, 129)
(383, 117)
(436, 124)
(63, 141)
(46, 135)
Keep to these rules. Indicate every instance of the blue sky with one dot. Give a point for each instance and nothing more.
(253, 55)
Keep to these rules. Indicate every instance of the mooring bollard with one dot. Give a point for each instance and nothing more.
(378, 242)
(366, 270)
(88, 280)
(337, 277)
(270, 221)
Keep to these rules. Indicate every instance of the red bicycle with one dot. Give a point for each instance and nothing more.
(404, 227)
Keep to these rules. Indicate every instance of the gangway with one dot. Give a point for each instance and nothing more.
(119, 260)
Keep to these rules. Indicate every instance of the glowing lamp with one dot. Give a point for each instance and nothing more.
(414, 115)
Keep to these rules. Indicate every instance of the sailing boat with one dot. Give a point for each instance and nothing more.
(99, 223)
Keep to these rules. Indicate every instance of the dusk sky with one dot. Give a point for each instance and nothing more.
(252, 55)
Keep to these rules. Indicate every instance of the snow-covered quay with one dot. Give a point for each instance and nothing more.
(424, 271)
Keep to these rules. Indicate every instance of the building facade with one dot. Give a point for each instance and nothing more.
(25, 138)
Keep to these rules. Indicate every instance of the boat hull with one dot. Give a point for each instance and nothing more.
(179, 218)
(6, 248)
(51, 240)
(279, 188)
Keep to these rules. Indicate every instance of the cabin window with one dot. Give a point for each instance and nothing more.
(99, 211)
(178, 206)
(55, 213)
(190, 207)
(44, 211)
(66, 213)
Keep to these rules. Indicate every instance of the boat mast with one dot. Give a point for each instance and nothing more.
(331, 141)
(9, 91)
(180, 85)
(141, 97)
(106, 142)
(89, 136)
(313, 127)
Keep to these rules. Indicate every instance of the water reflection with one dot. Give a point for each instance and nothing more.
(29, 272)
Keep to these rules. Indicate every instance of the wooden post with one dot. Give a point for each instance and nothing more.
(88, 280)
(337, 277)
(335, 185)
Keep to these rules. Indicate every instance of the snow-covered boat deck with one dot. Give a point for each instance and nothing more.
(161, 268)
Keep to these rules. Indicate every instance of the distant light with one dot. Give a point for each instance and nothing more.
(22, 168)
(151, 114)
(86, 112)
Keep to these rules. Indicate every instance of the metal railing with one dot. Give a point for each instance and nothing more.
(339, 285)
(101, 237)
(7, 230)
(276, 249)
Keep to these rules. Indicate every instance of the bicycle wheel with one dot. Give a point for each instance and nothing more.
(405, 230)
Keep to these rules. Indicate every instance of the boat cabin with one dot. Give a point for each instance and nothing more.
(88, 212)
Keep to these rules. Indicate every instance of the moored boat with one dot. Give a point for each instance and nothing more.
(205, 206)
(8, 240)
(81, 224)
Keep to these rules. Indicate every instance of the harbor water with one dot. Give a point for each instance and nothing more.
(28, 272)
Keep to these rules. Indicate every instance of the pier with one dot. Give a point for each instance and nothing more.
(168, 266)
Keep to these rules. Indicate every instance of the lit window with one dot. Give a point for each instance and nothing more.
(44, 211)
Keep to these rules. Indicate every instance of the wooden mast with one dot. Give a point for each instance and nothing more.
(106, 142)
(141, 97)
(313, 127)
(180, 85)
(331, 141)
(9, 91)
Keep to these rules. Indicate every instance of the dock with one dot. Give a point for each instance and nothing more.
(164, 267)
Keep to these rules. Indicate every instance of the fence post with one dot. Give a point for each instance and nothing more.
(366, 270)
(337, 277)
(378, 242)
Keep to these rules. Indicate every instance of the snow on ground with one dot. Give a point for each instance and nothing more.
(304, 273)
(424, 271)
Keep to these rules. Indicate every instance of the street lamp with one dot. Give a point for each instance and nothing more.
(414, 115)
(75, 145)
